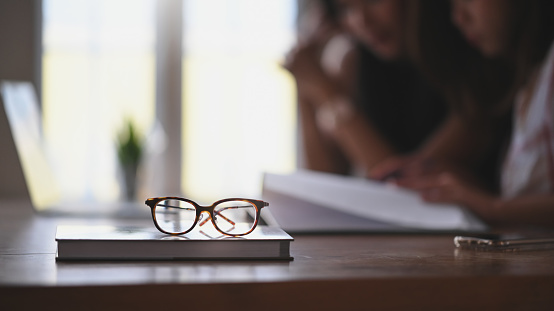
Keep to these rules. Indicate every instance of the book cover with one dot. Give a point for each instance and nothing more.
(147, 243)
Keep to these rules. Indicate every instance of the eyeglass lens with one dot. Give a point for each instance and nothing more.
(235, 217)
(232, 217)
(175, 216)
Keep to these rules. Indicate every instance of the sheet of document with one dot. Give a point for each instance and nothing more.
(371, 200)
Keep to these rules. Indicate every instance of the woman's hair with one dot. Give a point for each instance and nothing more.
(470, 82)
(330, 9)
(473, 84)
(532, 35)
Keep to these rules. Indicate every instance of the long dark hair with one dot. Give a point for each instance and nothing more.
(473, 84)
(533, 33)
(470, 82)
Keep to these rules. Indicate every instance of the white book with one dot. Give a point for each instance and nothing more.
(147, 243)
(308, 201)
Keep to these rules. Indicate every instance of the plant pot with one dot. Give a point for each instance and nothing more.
(129, 181)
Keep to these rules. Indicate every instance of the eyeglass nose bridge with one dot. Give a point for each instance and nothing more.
(211, 213)
(201, 219)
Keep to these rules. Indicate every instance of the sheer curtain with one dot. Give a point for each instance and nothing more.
(98, 71)
(238, 104)
(239, 113)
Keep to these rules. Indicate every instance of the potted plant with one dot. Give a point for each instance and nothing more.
(129, 153)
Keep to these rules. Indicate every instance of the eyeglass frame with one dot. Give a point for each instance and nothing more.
(153, 202)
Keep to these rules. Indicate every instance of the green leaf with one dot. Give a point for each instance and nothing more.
(129, 145)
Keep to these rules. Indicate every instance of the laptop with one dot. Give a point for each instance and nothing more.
(21, 108)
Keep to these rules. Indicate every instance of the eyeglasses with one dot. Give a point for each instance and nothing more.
(234, 216)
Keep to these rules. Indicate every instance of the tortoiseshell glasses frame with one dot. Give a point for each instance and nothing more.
(162, 202)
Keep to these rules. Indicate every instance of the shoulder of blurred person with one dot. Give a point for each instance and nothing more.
(339, 60)
(529, 163)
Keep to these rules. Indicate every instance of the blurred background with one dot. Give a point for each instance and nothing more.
(201, 81)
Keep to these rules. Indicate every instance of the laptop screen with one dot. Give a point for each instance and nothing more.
(22, 110)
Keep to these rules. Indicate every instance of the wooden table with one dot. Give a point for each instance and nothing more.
(329, 272)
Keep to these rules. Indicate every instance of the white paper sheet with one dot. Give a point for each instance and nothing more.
(371, 200)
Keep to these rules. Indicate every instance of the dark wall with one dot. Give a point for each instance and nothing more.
(20, 40)
(20, 52)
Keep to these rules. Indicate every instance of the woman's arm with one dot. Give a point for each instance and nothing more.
(457, 142)
(327, 111)
(448, 187)
(358, 139)
(338, 115)
(320, 152)
(531, 209)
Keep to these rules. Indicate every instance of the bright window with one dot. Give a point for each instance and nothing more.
(239, 115)
(98, 71)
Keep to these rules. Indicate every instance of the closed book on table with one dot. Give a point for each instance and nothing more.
(147, 243)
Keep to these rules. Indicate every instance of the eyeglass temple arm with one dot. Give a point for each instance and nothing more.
(220, 215)
(179, 207)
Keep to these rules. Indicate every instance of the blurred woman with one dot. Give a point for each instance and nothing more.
(361, 100)
(518, 35)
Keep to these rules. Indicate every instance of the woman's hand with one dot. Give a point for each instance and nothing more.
(448, 187)
(405, 166)
(391, 168)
